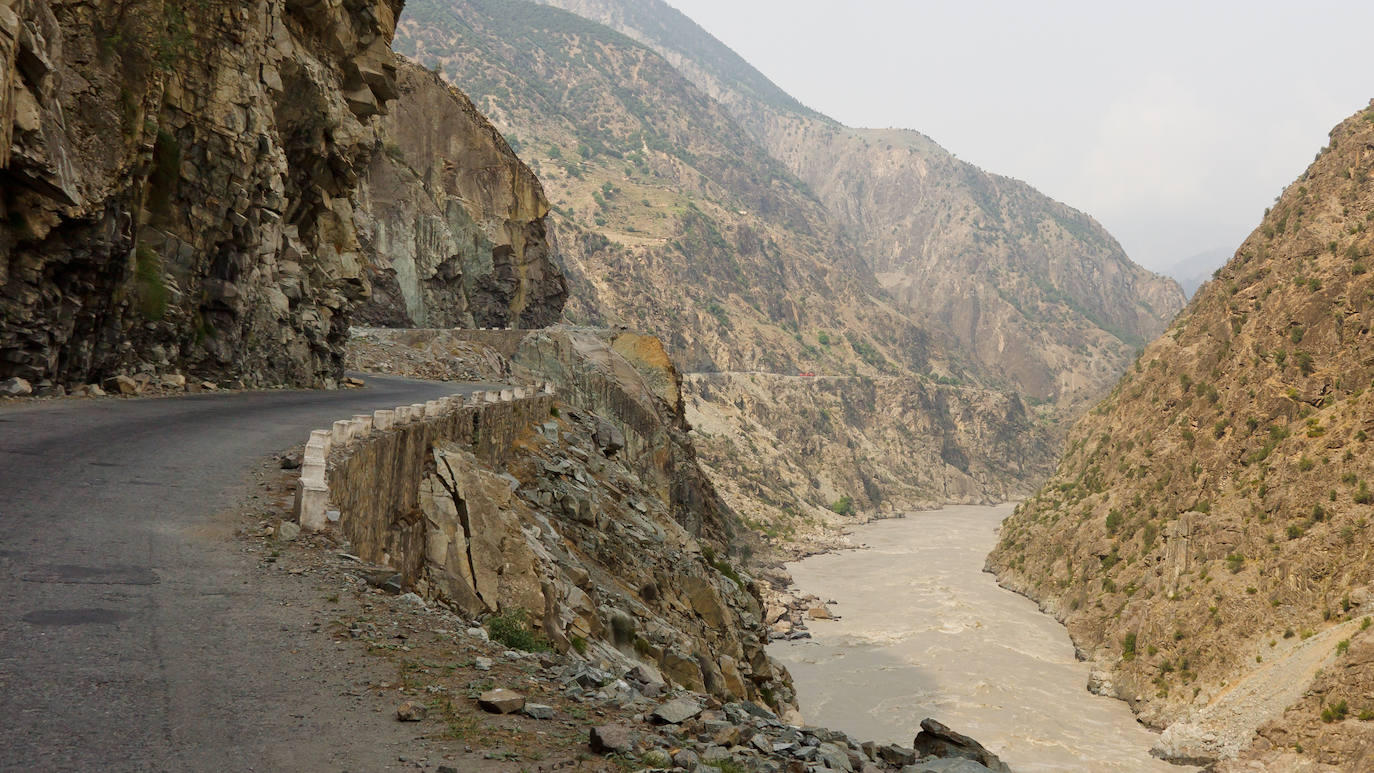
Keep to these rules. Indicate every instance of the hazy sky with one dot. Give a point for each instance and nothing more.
(1173, 123)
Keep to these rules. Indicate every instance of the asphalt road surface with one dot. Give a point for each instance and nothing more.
(133, 633)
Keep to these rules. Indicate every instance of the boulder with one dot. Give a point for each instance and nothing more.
(937, 740)
(124, 385)
(609, 438)
(820, 613)
(538, 711)
(411, 711)
(951, 765)
(834, 757)
(15, 387)
(501, 701)
(896, 755)
(675, 711)
(610, 739)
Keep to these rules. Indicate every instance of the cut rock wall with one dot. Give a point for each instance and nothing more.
(454, 224)
(508, 505)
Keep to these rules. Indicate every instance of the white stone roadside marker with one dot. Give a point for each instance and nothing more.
(382, 420)
(342, 433)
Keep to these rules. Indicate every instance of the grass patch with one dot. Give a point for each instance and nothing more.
(152, 287)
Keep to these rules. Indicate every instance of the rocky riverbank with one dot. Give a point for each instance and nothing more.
(961, 648)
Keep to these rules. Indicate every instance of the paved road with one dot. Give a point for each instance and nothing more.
(133, 633)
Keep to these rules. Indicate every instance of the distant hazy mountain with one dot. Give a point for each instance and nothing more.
(1194, 270)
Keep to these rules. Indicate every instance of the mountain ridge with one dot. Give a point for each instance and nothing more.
(1022, 285)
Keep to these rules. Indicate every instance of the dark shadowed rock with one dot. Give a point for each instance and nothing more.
(896, 755)
(951, 765)
(937, 740)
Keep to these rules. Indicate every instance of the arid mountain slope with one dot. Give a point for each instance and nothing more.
(1038, 295)
(1216, 508)
(672, 219)
(729, 259)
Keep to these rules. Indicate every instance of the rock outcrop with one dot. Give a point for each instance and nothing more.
(453, 225)
(1206, 537)
(179, 185)
(589, 519)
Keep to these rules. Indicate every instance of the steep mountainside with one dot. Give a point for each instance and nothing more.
(1207, 535)
(179, 188)
(672, 219)
(1041, 298)
(776, 443)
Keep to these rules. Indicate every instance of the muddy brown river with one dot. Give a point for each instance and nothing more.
(926, 633)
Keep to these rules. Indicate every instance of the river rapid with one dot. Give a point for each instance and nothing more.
(926, 633)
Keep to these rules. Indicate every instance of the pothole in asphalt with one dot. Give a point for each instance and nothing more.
(93, 575)
(75, 616)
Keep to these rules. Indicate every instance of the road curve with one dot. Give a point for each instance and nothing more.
(132, 633)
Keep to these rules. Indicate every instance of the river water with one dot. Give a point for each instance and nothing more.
(926, 633)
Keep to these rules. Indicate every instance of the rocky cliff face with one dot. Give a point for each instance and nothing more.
(179, 184)
(453, 224)
(1038, 295)
(1041, 298)
(180, 190)
(1206, 537)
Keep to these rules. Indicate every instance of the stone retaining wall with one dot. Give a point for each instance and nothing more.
(363, 475)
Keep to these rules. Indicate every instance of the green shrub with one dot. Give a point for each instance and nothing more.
(843, 506)
(512, 629)
(1362, 496)
(1335, 712)
(1113, 521)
